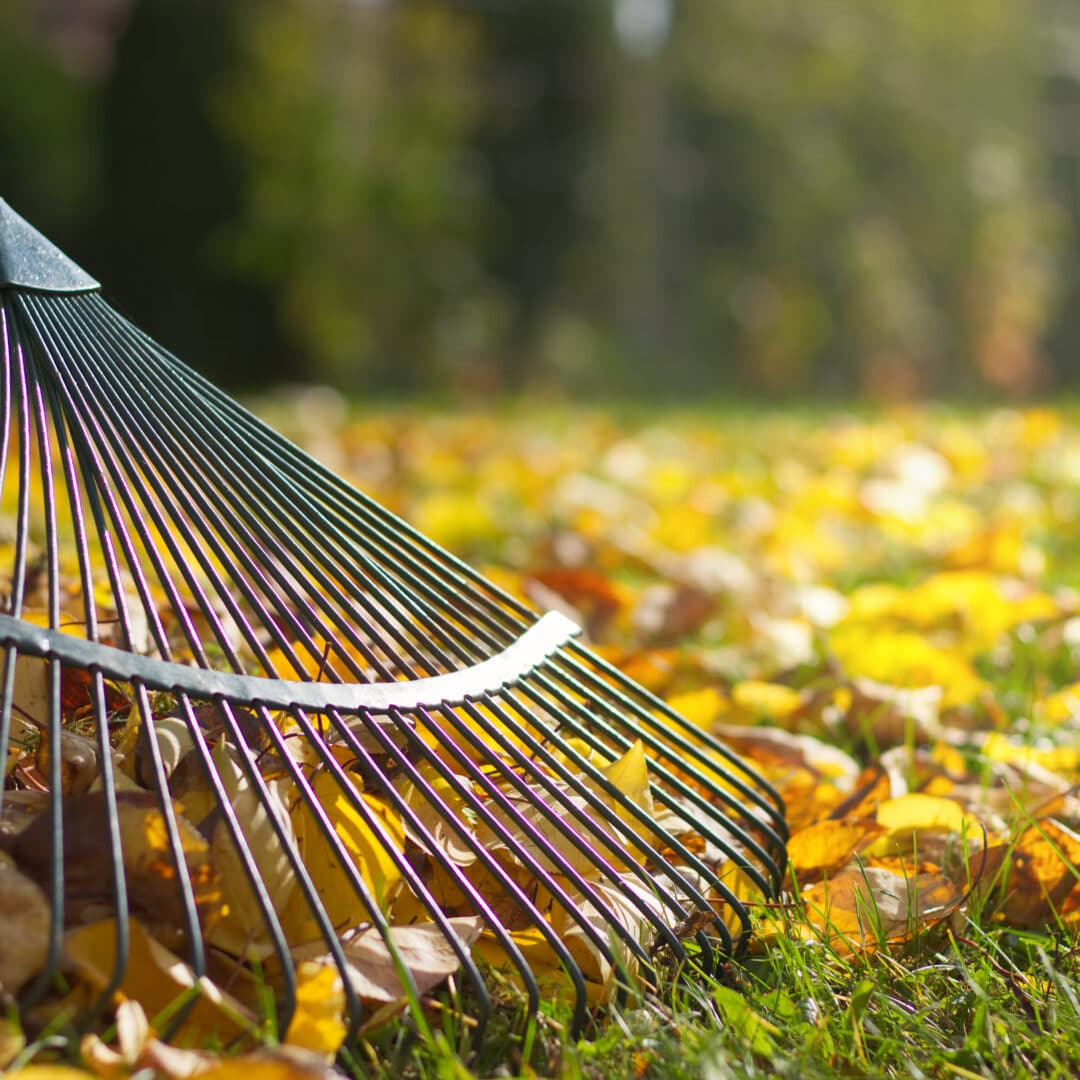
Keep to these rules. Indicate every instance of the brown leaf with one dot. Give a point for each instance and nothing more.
(867, 906)
(590, 594)
(423, 949)
(894, 714)
(667, 613)
(871, 789)
(149, 869)
(25, 921)
(76, 693)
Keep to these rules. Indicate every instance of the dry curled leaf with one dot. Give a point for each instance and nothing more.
(423, 949)
(869, 906)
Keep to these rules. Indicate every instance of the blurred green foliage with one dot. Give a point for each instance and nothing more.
(646, 196)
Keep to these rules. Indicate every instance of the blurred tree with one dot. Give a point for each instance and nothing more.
(541, 85)
(854, 188)
(364, 207)
(171, 186)
(1060, 132)
(49, 161)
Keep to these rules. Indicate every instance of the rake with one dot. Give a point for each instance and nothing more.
(334, 726)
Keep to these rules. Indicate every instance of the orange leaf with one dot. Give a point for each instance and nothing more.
(828, 845)
(1044, 873)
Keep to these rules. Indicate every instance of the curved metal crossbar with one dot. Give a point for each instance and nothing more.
(513, 664)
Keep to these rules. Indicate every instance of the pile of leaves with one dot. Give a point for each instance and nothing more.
(876, 612)
(215, 759)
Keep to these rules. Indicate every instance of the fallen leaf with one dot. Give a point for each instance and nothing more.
(916, 824)
(776, 751)
(51, 1072)
(872, 788)
(894, 714)
(829, 845)
(1062, 760)
(755, 701)
(25, 924)
(868, 906)
(626, 914)
(369, 847)
(155, 978)
(283, 1063)
(630, 776)
(423, 949)
(917, 812)
(905, 659)
(1044, 874)
(317, 1023)
(593, 598)
(78, 762)
(149, 869)
(702, 707)
(243, 926)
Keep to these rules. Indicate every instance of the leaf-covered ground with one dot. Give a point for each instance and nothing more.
(879, 612)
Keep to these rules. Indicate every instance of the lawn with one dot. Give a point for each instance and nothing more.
(880, 610)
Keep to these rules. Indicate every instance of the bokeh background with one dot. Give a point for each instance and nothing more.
(572, 197)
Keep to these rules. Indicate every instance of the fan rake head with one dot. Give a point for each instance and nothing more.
(255, 717)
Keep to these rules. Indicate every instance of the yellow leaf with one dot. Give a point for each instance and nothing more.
(1063, 705)
(904, 817)
(906, 659)
(743, 888)
(266, 1066)
(532, 943)
(477, 742)
(765, 701)
(369, 848)
(915, 812)
(1045, 873)
(51, 1072)
(630, 775)
(702, 707)
(1063, 760)
(540, 957)
(999, 548)
(455, 519)
(318, 1024)
(155, 978)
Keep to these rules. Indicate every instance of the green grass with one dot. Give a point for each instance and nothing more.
(971, 999)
